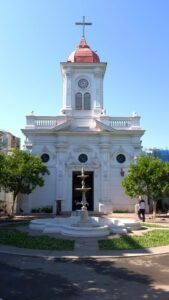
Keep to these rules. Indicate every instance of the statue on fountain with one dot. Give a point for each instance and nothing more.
(84, 212)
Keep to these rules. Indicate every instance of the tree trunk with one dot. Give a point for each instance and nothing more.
(150, 205)
(154, 208)
(13, 204)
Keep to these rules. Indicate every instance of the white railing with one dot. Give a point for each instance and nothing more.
(41, 122)
(132, 122)
(120, 123)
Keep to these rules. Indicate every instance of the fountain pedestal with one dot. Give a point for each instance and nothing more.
(84, 215)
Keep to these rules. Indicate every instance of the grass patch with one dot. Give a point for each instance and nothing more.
(154, 225)
(152, 238)
(118, 211)
(23, 240)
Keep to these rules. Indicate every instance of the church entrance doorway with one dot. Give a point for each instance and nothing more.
(77, 195)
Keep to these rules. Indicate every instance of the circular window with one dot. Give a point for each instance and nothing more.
(45, 157)
(83, 158)
(83, 83)
(121, 158)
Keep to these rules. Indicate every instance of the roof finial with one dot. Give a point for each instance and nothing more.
(83, 23)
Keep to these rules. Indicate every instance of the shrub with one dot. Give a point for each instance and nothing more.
(45, 209)
(35, 210)
(120, 211)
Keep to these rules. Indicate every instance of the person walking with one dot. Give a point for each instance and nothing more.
(142, 209)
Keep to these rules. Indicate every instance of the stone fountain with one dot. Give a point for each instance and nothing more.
(83, 225)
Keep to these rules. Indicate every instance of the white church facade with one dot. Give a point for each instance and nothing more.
(83, 136)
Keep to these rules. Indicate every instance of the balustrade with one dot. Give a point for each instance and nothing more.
(115, 122)
(41, 122)
(45, 122)
(125, 122)
(120, 123)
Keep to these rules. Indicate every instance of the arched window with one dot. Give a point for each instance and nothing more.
(78, 101)
(87, 101)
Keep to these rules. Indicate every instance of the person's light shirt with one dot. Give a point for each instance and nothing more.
(142, 205)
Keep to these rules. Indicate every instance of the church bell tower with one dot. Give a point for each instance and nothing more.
(83, 75)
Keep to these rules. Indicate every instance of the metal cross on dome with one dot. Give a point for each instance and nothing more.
(83, 23)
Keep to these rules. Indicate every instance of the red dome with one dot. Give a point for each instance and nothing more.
(83, 54)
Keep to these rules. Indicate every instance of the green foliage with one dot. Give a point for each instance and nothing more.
(21, 172)
(45, 209)
(23, 240)
(154, 225)
(150, 239)
(119, 211)
(2, 168)
(36, 210)
(149, 176)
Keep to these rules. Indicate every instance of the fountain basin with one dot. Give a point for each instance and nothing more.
(94, 227)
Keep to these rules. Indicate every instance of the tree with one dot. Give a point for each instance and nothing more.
(21, 172)
(149, 176)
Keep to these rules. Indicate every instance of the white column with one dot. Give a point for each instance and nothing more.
(97, 90)
(67, 89)
(105, 175)
(61, 150)
(98, 96)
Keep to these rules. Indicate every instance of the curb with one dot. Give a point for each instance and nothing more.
(81, 254)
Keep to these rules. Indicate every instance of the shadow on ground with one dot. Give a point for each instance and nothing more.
(31, 278)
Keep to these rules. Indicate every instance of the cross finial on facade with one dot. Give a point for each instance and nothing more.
(83, 23)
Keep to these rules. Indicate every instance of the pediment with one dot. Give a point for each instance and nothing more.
(104, 127)
(64, 126)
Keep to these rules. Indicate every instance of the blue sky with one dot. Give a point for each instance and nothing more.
(132, 36)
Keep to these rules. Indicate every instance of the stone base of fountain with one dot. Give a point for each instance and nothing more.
(92, 227)
(84, 215)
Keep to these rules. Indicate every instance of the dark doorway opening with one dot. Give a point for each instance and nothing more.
(77, 195)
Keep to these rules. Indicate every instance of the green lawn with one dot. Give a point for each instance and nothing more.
(154, 225)
(9, 236)
(152, 238)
